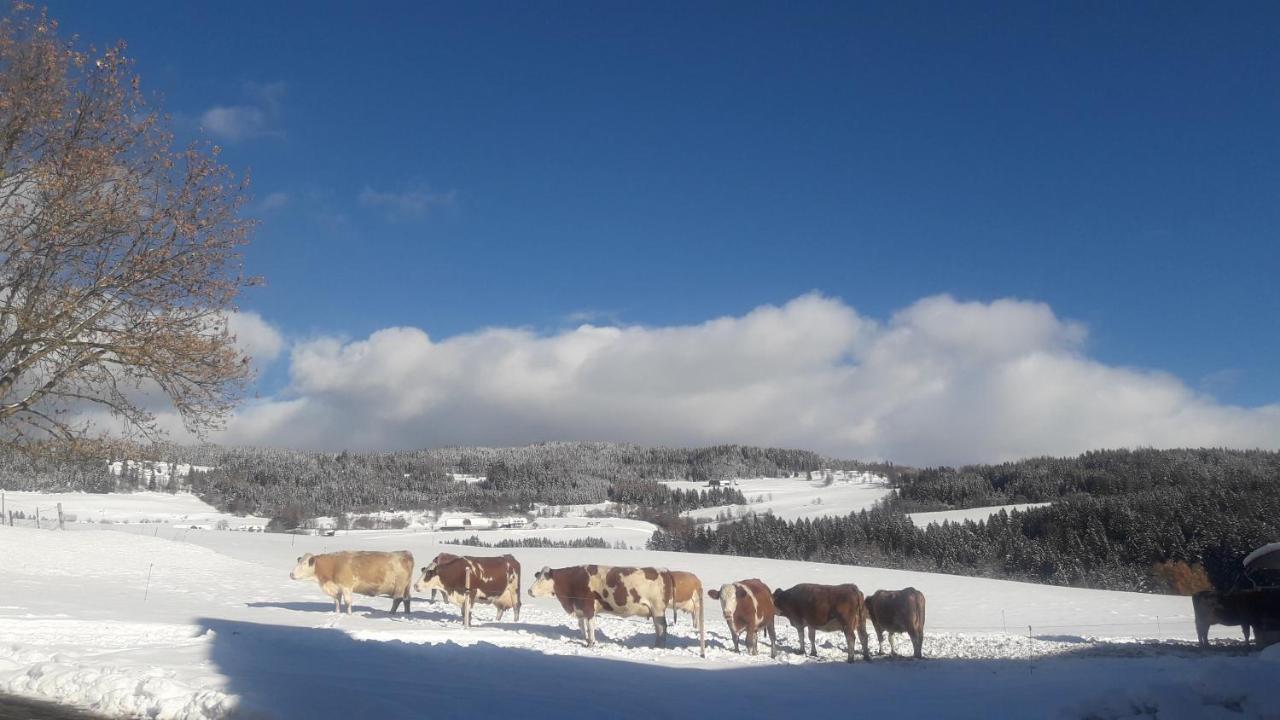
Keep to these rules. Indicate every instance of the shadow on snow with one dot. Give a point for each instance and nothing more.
(288, 672)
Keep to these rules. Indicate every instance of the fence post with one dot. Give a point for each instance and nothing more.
(1159, 629)
(1030, 666)
(1005, 622)
(147, 592)
(60, 525)
(37, 517)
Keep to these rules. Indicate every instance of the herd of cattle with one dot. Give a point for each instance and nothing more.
(586, 590)
(749, 606)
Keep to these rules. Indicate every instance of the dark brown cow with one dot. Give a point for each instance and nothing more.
(895, 611)
(748, 607)
(342, 574)
(584, 590)
(686, 591)
(1258, 610)
(466, 580)
(825, 607)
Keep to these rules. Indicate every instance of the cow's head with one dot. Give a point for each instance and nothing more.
(430, 579)
(543, 586)
(728, 597)
(786, 605)
(306, 568)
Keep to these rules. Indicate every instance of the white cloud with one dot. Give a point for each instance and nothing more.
(940, 381)
(255, 337)
(256, 118)
(411, 203)
(273, 201)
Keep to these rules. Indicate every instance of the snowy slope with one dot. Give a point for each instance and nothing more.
(959, 516)
(792, 498)
(151, 507)
(219, 627)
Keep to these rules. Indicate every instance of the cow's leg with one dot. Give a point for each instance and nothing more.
(880, 638)
(861, 627)
(348, 598)
(773, 638)
(852, 642)
(406, 603)
(800, 632)
(501, 609)
(1245, 628)
(337, 603)
(395, 605)
(591, 630)
(735, 639)
(660, 629)
(582, 628)
(1202, 632)
(813, 640)
(752, 632)
(516, 608)
(917, 642)
(893, 649)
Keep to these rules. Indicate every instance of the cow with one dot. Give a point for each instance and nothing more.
(1256, 610)
(466, 580)
(748, 607)
(895, 611)
(585, 590)
(825, 607)
(342, 574)
(686, 591)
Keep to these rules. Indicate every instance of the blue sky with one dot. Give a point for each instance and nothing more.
(528, 165)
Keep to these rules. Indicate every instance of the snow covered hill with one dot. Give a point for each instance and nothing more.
(205, 624)
(139, 507)
(793, 498)
(924, 519)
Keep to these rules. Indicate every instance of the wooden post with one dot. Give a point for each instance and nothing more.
(60, 525)
(37, 517)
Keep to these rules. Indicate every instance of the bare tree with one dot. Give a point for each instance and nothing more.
(119, 255)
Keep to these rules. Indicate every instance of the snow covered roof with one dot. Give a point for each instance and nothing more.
(1266, 557)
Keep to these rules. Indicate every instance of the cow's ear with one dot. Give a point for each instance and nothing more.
(311, 561)
(714, 594)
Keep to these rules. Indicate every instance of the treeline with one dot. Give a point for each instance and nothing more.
(1096, 473)
(539, 542)
(277, 482)
(1111, 541)
(656, 496)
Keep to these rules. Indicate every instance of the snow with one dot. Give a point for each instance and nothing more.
(793, 498)
(148, 507)
(976, 514)
(126, 620)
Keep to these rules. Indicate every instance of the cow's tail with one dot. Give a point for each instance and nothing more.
(669, 593)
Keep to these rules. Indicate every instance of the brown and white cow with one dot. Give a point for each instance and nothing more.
(748, 607)
(825, 607)
(686, 591)
(895, 611)
(466, 580)
(342, 574)
(585, 590)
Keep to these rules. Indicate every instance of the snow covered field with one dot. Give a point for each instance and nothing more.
(207, 624)
(150, 507)
(959, 516)
(792, 498)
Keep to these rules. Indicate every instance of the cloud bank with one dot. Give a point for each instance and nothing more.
(941, 381)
